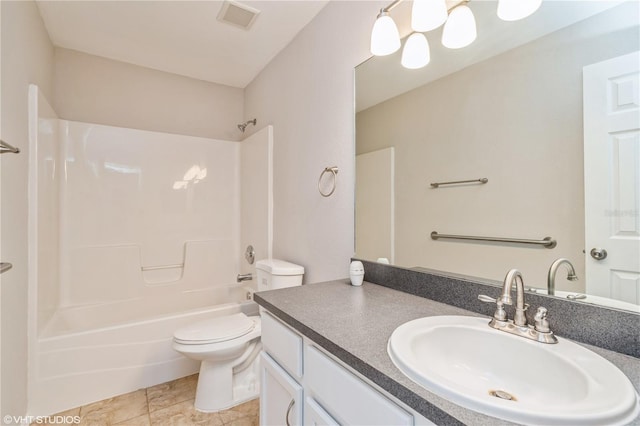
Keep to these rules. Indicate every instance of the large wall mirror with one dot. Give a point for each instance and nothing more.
(520, 107)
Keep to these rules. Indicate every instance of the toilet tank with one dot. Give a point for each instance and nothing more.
(274, 273)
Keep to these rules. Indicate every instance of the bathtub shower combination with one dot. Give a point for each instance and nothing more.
(133, 234)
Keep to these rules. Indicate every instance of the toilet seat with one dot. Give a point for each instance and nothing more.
(215, 330)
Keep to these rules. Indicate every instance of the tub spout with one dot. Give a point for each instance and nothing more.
(244, 277)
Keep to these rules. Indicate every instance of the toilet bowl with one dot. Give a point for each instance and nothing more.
(228, 346)
(228, 349)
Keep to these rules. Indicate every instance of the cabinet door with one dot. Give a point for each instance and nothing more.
(315, 415)
(282, 344)
(345, 397)
(280, 395)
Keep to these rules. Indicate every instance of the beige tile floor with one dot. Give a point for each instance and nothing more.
(164, 404)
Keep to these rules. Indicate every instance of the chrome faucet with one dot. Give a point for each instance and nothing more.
(540, 332)
(514, 275)
(553, 270)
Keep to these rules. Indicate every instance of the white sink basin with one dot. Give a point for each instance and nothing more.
(473, 365)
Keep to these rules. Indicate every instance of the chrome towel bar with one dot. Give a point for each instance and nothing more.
(5, 147)
(546, 242)
(438, 184)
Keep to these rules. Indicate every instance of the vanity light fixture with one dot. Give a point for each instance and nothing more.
(416, 52)
(513, 10)
(385, 38)
(459, 27)
(427, 15)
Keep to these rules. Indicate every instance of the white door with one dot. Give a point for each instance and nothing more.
(612, 177)
(280, 395)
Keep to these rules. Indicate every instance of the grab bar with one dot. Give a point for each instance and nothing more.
(5, 147)
(5, 266)
(437, 184)
(546, 242)
(154, 268)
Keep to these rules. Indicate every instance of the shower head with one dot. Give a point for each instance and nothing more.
(244, 125)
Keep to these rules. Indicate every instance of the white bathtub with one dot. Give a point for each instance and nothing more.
(156, 303)
(86, 365)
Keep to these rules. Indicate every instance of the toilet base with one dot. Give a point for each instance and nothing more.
(235, 403)
(220, 388)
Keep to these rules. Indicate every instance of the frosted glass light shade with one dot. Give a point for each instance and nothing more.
(427, 15)
(416, 52)
(385, 38)
(513, 10)
(460, 29)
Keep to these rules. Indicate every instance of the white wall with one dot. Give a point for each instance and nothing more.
(97, 90)
(307, 93)
(27, 57)
(1, 412)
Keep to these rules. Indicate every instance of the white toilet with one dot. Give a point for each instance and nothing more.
(228, 346)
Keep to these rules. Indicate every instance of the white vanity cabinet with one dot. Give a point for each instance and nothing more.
(281, 396)
(345, 397)
(324, 392)
(281, 370)
(315, 415)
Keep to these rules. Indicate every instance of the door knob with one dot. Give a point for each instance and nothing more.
(598, 253)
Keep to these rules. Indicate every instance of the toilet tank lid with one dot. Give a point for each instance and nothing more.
(279, 267)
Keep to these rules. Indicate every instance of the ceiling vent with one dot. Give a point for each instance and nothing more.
(237, 14)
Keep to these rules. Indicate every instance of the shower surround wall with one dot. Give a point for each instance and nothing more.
(143, 212)
(134, 234)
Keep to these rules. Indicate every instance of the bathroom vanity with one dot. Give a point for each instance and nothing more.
(324, 392)
(325, 358)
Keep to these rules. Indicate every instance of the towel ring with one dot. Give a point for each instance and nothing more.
(334, 171)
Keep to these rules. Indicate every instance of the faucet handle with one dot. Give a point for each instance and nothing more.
(541, 322)
(485, 298)
(500, 314)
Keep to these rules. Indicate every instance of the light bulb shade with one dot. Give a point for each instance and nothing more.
(427, 15)
(385, 38)
(460, 29)
(416, 52)
(513, 10)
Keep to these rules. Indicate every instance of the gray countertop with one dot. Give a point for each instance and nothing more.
(355, 323)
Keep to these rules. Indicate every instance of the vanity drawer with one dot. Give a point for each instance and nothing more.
(345, 397)
(283, 344)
